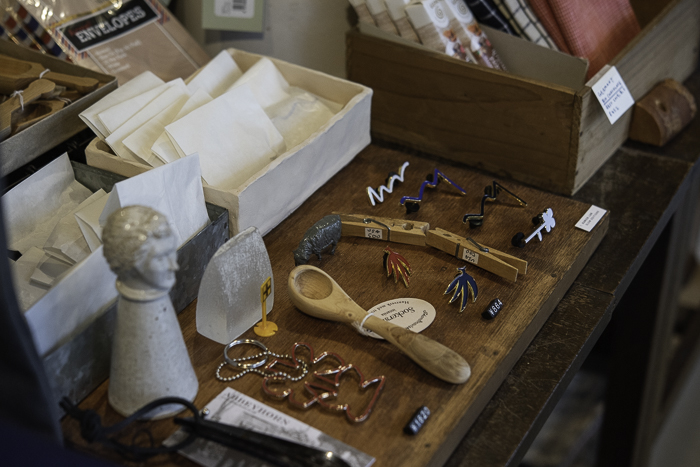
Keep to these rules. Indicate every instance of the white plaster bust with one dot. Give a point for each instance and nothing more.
(141, 249)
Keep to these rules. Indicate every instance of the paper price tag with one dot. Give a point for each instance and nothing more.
(591, 218)
(613, 94)
(470, 256)
(373, 233)
(413, 314)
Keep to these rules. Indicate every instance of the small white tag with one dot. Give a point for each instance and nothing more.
(591, 218)
(234, 8)
(373, 233)
(613, 95)
(413, 314)
(470, 256)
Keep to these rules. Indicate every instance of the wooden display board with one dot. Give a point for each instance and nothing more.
(491, 347)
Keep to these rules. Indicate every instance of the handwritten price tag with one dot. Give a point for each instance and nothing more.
(470, 256)
(373, 233)
(613, 95)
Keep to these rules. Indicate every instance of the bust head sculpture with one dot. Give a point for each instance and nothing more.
(141, 249)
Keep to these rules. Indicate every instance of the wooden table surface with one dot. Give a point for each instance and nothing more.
(643, 188)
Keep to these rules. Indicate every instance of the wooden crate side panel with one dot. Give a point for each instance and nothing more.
(666, 48)
(480, 117)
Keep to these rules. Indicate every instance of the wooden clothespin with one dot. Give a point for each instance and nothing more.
(490, 259)
(382, 228)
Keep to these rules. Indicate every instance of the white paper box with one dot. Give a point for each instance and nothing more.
(260, 202)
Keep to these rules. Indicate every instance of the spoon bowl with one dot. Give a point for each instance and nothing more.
(315, 293)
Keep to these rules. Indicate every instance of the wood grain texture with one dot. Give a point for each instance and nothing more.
(489, 119)
(490, 347)
(499, 263)
(662, 113)
(399, 230)
(671, 39)
(548, 136)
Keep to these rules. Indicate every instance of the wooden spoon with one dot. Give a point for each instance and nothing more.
(17, 74)
(315, 293)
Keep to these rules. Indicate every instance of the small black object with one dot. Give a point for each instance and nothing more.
(493, 309)
(417, 421)
(518, 240)
(491, 193)
(13, 255)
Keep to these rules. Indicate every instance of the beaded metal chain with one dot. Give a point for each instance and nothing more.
(253, 367)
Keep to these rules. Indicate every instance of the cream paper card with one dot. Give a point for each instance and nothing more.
(140, 141)
(66, 241)
(163, 148)
(88, 218)
(233, 136)
(115, 116)
(134, 87)
(174, 189)
(49, 270)
(176, 91)
(216, 76)
(266, 82)
(299, 116)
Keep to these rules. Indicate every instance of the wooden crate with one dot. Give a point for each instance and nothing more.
(26, 145)
(301, 170)
(548, 132)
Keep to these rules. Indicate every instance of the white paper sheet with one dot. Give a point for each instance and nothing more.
(115, 116)
(175, 190)
(234, 408)
(216, 76)
(49, 270)
(299, 116)
(88, 218)
(176, 91)
(140, 141)
(76, 300)
(163, 148)
(34, 207)
(66, 241)
(233, 136)
(266, 82)
(138, 85)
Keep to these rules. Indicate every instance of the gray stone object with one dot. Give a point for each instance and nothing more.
(321, 237)
(229, 294)
(149, 356)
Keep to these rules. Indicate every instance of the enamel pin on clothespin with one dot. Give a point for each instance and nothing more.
(545, 221)
(500, 263)
(265, 328)
(382, 228)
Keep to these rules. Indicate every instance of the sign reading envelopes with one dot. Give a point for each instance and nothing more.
(257, 200)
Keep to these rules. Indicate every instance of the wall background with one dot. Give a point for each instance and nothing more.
(310, 33)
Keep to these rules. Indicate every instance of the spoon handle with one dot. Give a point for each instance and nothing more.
(432, 356)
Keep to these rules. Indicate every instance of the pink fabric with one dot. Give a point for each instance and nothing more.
(595, 29)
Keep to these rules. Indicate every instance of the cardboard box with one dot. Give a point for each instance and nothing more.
(539, 123)
(80, 361)
(26, 145)
(276, 191)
